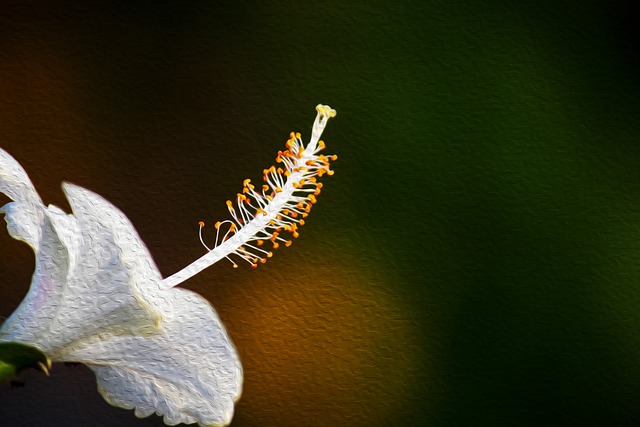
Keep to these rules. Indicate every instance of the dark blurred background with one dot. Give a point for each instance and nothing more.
(475, 260)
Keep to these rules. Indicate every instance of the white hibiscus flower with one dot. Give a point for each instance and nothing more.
(97, 297)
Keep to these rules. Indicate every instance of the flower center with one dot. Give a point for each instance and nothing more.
(265, 217)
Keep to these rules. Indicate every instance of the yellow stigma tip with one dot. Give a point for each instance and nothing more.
(325, 110)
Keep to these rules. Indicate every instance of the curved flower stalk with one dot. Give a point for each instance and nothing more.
(97, 297)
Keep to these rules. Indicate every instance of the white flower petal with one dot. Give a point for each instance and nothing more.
(30, 322)
(84, 283)
(68, 230)
(96, 298)
(108, 291)
(23, 217)
(112, 235)
(190, 372)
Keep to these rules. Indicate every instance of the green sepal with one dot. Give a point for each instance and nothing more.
(15, 357)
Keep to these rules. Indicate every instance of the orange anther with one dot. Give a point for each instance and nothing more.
(288, 243)
(260, 242)
(269, 254)
(201, 223)
(217, 225)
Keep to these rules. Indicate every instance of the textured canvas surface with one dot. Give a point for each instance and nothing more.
(475, 260)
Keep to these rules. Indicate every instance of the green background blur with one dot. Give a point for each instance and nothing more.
(475, 260)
